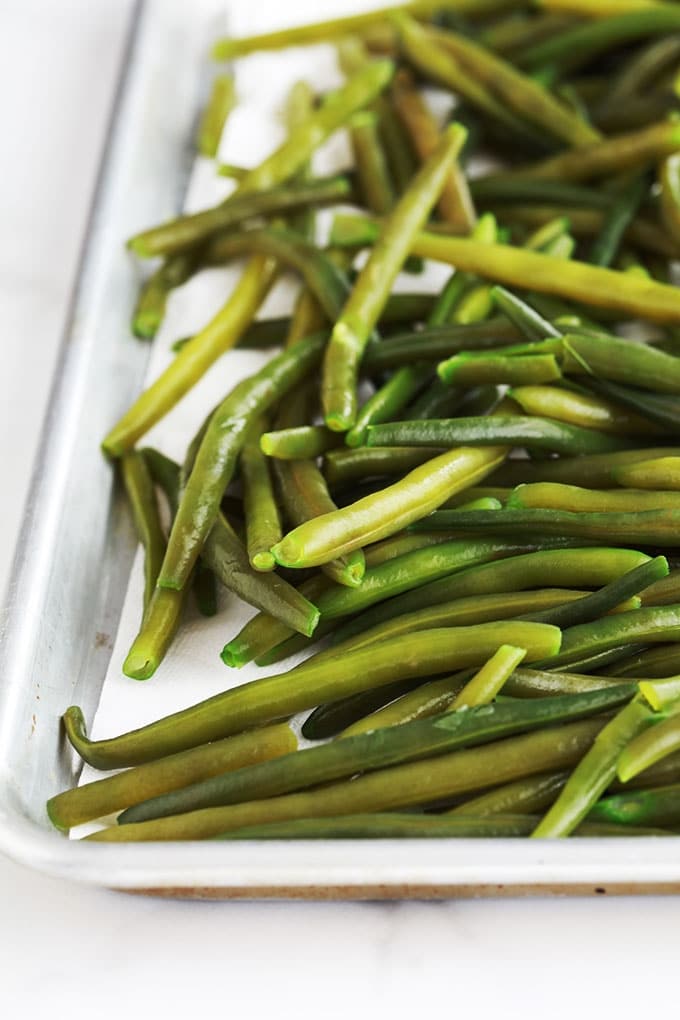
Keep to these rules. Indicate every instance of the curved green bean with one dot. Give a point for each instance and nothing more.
(554, 496)
(305, 686)
(104, 796)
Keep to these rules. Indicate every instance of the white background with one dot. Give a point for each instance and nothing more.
(76, 951)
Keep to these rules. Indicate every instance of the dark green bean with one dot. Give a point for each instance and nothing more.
(617, 221)
(104, 796)
(577, 46)
(436, 342)
(530, 432)
(307, 685)
(566, 568)
(359, 316)
(263, 524)
(218, 452)
(388, 400)
(603, 601)
(142, 499)
(331, 718)
(149, 310)
(377, 750)
(400, 786)
(186, 232)
(644, 527)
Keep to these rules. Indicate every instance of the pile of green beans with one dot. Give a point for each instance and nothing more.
(459, 510)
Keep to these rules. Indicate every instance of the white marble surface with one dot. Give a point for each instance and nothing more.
(92, 952)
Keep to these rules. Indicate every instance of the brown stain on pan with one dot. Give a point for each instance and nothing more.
(325, 893)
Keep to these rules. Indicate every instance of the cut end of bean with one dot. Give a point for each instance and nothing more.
(139, 665)
(263, 561)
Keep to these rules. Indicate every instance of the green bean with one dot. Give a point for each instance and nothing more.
(329, 719)
(437, 400)
(475, 369)
(388, 401)
(640, 73)
(642, 232)
(646, 749)
(305, 497)
(661, 694)
(217, 109)
(265, 631)
(386, 512)
(218, 452)
(617, 221)
(322, 276)
(430, 55)
(225, 555)
(553, 192)
(487, 682)
(149, 310)
(659, 473)
(370, 752)
(543, 683)
(577, 46)
(142, 498)
(299, 106)
(390, 825)
(104, 796)
(455, 204)
(517, 430)
(157, 630)
(593, 470)
(400, 786)
(370, 162)
(562, 567)
(185, 232)
(664, 592)
(307, 685)
(523, 96)
(635, 150)
(595, 771)
(301, 35)
(617, 593)
(554, 496)
(460, 612)
(644, 527)
(263, 524)
(362, 311)
(581, 409)
(301, 442)
(221, 333)
(343, 467)
(651, 625)
(304, 493)
(663, 661)
(361, 89)
(436, 342)
(661, 409)
(603, 288)
(655, 806)
(524, 796)
(669, 177)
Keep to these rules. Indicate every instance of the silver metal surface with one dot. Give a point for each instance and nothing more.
(68, 583)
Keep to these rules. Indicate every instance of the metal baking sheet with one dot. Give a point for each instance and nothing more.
(76, 551)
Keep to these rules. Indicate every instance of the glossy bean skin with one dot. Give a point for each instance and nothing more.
(397, 787)
(305, 686)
